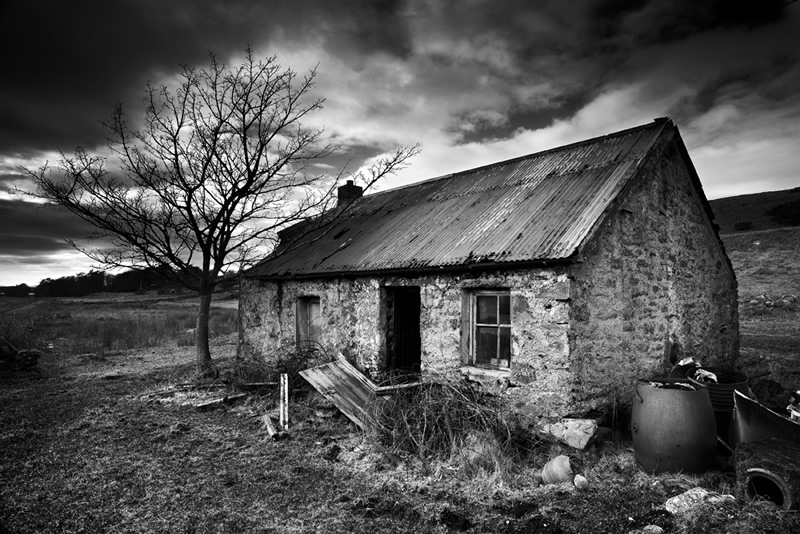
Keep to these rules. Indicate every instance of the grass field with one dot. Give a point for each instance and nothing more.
(108, 437)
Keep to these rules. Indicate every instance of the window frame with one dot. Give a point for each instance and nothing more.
(303, 321)
(472, 357)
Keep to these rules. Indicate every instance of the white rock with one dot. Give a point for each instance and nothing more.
(576, 433)
(691, 498)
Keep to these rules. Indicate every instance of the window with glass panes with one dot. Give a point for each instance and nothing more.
(491, 345)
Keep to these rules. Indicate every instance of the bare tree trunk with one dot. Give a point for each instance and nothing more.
(205, 368)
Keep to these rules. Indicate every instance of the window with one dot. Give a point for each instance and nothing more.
(308, 320)
(491, 329)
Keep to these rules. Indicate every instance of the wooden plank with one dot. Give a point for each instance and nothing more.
(274, 433)
(346, 387)
(269, 425)
(219, 402)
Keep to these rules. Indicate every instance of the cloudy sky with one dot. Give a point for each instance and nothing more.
(471, 81)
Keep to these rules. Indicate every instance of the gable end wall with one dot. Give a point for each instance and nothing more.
(655, 287)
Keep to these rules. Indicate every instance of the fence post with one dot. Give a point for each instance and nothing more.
(284, 404)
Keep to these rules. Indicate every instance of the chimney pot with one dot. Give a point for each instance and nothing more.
(348, 192)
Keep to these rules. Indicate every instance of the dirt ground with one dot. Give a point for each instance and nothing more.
(114, 442)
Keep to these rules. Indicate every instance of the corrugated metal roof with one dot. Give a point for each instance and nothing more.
(534, 208)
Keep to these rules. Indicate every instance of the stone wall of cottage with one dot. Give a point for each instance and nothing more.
(654, 287)
(352, 324)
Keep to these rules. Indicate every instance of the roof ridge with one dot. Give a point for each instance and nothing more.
(628, 131)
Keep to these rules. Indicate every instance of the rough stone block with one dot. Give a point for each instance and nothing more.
(556, 291)
(577, 433)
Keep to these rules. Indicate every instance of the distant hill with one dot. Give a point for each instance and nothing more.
(761, 233)
(759, 211)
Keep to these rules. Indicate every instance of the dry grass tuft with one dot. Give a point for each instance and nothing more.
(453, 426)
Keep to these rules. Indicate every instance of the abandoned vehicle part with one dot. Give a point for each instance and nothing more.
(754, 422)
(770, 470)
(673, 426)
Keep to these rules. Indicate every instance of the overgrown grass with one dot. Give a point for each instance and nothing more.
(80, 328)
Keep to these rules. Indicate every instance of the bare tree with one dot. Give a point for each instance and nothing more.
(219, 165)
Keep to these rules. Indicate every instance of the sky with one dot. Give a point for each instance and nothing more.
(471, 81)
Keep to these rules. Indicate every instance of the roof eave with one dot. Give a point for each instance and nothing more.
(425, 271)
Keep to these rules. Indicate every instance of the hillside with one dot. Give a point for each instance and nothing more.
(759, 211)
(761, 233)
(766, 262)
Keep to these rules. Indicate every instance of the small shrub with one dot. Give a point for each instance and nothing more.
(288, 359)
(450, 421)
(292, 360)
(24, 331)
(248, 372)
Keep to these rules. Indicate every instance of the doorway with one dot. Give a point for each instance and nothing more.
(402, 331)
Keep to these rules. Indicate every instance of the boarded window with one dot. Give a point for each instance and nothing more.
(308, 320)
(491, 329)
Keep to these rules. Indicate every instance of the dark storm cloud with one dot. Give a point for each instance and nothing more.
(562, 106)
(16, 245)
(776, 85)
(623, 24)
(68, 63)
(29, 228)
(581, 49)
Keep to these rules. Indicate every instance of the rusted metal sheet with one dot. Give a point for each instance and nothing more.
(538, 207)
(755, 422)
(346, 387)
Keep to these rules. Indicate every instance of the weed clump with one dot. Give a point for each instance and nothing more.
(289, 359)
(23, 331)
(452, 422)
(295, 358)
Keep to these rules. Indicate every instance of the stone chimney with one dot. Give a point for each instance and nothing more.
(348, 192)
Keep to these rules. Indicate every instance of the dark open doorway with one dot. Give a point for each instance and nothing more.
(402, 331)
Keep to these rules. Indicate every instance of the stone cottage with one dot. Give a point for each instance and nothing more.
(564, 275)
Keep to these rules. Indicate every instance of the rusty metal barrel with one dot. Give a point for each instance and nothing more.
(721, 393)
(673, 426)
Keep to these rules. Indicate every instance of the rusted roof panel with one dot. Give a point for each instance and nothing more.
(538, 207)
(343, 385)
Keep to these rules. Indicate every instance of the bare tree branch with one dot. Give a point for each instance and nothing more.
(221, 164)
